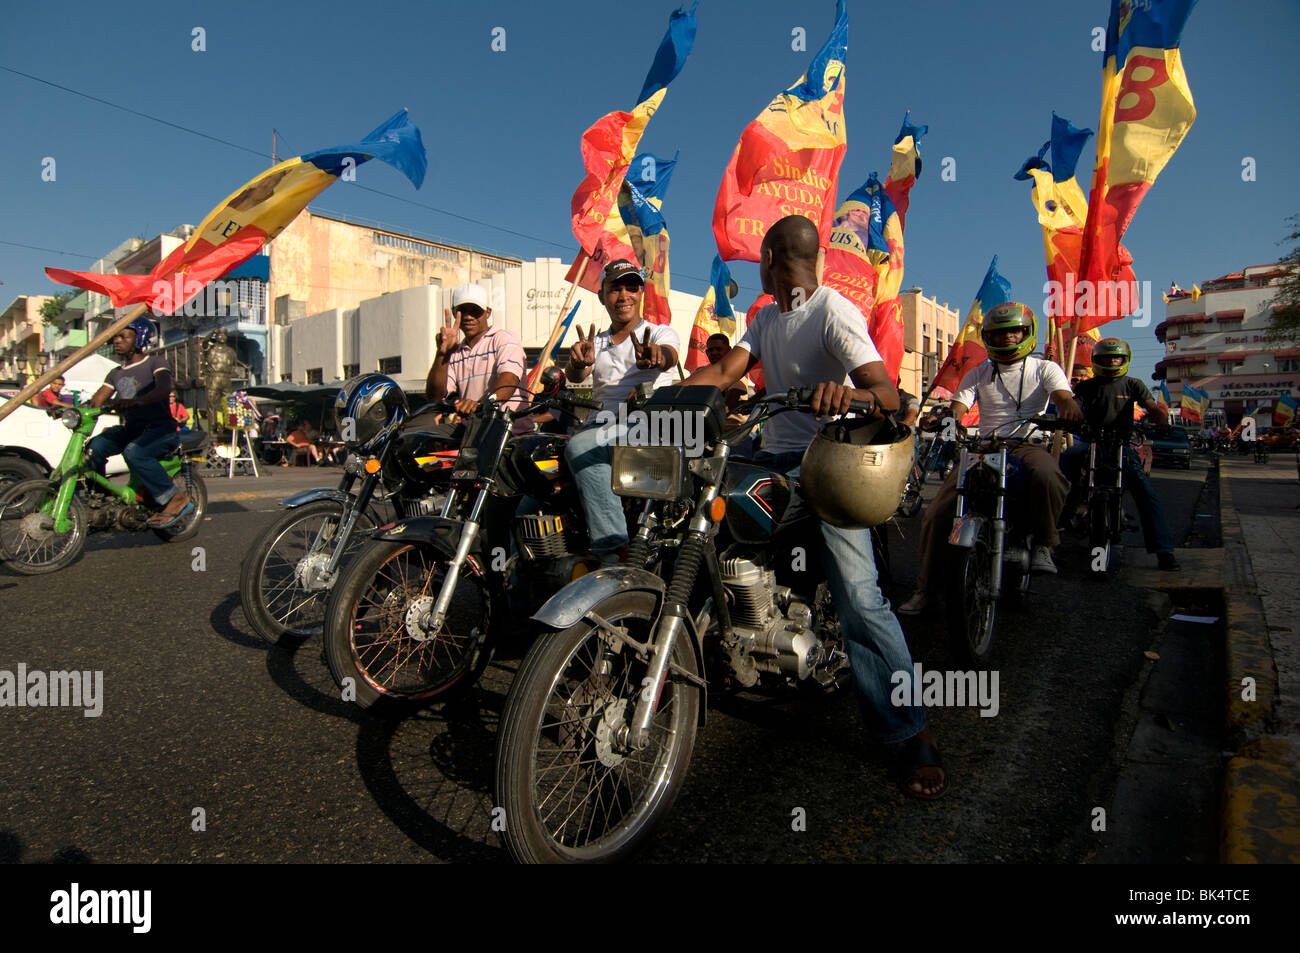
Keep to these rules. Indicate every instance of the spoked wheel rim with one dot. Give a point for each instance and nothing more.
(28, 535)
(291, 593)
(592, 792)
(392, 646)
(980, 608)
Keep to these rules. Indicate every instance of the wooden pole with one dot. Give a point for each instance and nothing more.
(34, 388)
(544, 360)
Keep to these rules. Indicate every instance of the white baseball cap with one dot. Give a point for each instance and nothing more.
(469, 293)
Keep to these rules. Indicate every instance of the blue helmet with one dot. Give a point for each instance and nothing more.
(377, 408)
(143, 329)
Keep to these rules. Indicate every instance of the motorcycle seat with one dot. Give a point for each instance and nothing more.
(192, 441)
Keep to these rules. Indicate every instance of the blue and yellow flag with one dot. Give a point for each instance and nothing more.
(1285, 410)
(967, 351)
(1193, 403)
(715, 315)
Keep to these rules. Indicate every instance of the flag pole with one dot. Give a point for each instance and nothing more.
(33, 388)
(545, 359)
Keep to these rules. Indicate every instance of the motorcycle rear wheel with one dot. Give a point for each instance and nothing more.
(189, 526)
(371, 636)
(29, 544)
(573, 792)
(271, 583)
(972, 608)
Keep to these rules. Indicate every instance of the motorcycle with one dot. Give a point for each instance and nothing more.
(932, 457)
(1105, 495)
(44, 522)
(600, 721)
(991, 547)
(286, 577)
(413, 614)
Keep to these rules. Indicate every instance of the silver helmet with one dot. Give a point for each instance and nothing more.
(854, 471)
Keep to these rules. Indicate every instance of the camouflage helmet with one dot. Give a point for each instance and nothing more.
(1010, 316)
(1111, 347)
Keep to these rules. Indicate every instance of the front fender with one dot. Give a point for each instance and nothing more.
(311, 496)
(570, 604)
(966, 530)
(437, 531)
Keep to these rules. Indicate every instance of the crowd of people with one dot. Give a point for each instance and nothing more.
(811, 336)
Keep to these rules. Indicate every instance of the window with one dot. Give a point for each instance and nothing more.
(1288, 364)
(351, 370)
(286, 378)
(390, 365)
(1225, 367)
(315, 375)
(925, 345)
(950, 339)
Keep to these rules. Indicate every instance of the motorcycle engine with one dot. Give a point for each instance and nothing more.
(775, 629)
(132, 518)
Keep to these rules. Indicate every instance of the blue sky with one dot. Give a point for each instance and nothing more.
(503, 128)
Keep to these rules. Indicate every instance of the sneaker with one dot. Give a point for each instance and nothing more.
(914, 605)
(1042, 561)
(1167, 561)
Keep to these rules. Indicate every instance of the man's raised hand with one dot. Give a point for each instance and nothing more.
(648, 355)
(449, 333)
(583, 352)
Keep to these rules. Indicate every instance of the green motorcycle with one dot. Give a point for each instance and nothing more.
(44, 522)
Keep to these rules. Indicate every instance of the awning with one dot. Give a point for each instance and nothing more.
(1287, 353)
(288, 391)
(1178, 360)
(1189, 319)
(1233, 356)
(1230, 314)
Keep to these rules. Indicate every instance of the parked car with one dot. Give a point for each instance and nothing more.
(32, 442)
(1173, 448)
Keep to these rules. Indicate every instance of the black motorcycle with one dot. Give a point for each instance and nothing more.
(413, 614)
(292, 566)
(600, 721)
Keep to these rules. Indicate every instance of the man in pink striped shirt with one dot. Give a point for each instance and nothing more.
(488, 360)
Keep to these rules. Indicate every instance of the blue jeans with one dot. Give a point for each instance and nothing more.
(142, 450)
(1155, 528)
(872, 636)
(589, 454)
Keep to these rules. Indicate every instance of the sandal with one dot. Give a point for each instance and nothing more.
(919, 753)
(165, 520)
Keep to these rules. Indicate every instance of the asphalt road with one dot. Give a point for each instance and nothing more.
(199, 713)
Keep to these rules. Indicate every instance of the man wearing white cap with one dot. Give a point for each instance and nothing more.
(488, 360)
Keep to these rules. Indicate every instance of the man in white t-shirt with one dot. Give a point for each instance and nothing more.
(628, 353)
(814, 337)
(1010, 385)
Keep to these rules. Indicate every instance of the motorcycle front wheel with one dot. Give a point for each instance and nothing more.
(376, 644)
(573, 789)
(972, 606)
(29, 543)
(279, 586)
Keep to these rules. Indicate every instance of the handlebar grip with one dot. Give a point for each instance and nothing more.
(802, 396)
(584, 402)
(1054, 423)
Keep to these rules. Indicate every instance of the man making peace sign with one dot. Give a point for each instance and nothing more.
(489, 360)
(629, 353)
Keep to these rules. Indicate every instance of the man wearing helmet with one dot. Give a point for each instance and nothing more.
(143, 386)
(1108, 398)
(1010, 385)
(813, 336)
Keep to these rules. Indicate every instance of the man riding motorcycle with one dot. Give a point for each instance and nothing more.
(142, 385)
(1011, 384)
(813, 336)
(1108, 398)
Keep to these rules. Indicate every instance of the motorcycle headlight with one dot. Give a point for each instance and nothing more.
(657, 473)
(71, 419)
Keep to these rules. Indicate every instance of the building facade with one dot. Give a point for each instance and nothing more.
(22, 354)
(929, 328)
(1220, 343)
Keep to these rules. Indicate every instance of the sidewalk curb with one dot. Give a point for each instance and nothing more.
(1261, 788)
(1260, 809)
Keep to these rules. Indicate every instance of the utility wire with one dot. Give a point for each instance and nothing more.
(256, 152)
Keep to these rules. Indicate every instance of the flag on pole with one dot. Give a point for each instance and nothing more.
(608, 148)
(715, 315)
(1285, 410)
(1161, 394)
(1193, 404)
(761, 302)
(864, 260)
(250, 217)
(1146, 111)
(967, 350)
(640, 204)
(787, 161)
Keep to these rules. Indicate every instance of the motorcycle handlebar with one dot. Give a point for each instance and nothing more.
(800, 398)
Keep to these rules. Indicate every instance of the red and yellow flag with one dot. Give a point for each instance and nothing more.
(967, 351)
(715, 315)
(788, 159)
(607, 150)
(252, 216)
(1146, 111)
